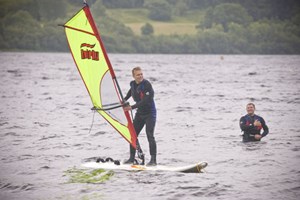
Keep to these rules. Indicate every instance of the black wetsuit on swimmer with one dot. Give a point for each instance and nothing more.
(247, 126)
(143, 94)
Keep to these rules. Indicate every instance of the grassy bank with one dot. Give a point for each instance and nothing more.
(136, 18)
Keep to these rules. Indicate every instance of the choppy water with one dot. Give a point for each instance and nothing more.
(45, 119)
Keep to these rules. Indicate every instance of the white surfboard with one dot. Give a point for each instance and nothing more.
(194, 168)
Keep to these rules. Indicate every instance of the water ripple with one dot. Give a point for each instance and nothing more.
(46, 118)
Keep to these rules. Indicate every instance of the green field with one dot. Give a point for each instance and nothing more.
(136, 18)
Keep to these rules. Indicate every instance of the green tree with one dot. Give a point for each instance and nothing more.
(98, 10)
(296, 21)
(238, 39)
(159, 10)
(51, 10)
(12, 6)
(208, 19)
(21, 31)
(53, 38)
(273, 38)
(214, 40)
(225, 14)
(180, 8)
(147, 29)
(123, 3)
(144, 44)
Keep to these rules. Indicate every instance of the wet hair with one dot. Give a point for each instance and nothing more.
(135, 69)
(252, 104)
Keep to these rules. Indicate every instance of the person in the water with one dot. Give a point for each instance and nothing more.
(142, 93)
(251, 124)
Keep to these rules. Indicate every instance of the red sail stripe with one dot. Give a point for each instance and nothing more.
(87, 45)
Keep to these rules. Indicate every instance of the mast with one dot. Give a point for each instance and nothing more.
(81, 29)
(89, 16)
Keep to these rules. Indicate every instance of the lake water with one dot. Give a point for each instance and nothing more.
(45, 119)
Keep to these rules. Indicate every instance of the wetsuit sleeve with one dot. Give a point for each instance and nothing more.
(128, 95)
(245, 127)
(265, 127)
(148, 96)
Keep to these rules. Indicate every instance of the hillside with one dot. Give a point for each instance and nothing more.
(158, 26)
(136, 18)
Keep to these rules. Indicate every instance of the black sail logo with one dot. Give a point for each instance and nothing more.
(87, 52)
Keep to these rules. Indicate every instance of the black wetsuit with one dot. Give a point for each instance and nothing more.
(143, 95)
(247, 126)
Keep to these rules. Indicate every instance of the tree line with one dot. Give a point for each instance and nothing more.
(228, 26)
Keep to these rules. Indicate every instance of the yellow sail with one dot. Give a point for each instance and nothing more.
(97, 73)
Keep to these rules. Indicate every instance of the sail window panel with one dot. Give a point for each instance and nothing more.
(109, 98)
